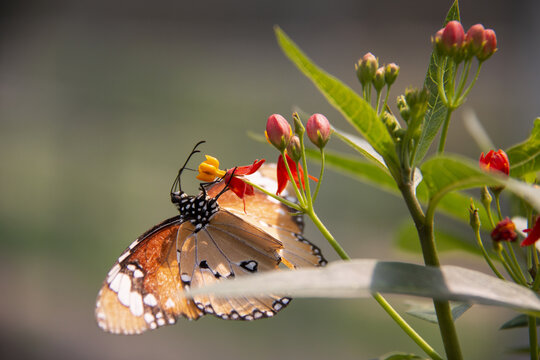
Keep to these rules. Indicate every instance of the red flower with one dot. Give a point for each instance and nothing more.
(495, 161)
(504, 231)
(283, 176)
(237, 185)
(532, 234)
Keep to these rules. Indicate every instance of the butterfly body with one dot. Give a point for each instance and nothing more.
(216, 236)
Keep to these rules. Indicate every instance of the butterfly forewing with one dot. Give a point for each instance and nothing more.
(143, 289)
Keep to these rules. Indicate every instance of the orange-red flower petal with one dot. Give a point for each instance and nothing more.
(532, 234)
(283, 176)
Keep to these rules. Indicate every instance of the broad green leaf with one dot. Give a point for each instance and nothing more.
(436, 110)
(525, 157)
(426, 311)
(355, 109)
(519, 321)
(443, 174)
(362, 146)
(360, 278)
(476, 130)
(407, 240)
(400, 356)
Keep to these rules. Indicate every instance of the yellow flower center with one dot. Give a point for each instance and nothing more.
(209, 169)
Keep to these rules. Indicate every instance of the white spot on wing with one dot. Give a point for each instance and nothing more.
(124, 256)
(169, 303)
(161, 322)
(138, 274)
(112, 273)
(135, 304)
(115, 283)
(124, 291)
(149, 318)
(150, 300)
(133, 244)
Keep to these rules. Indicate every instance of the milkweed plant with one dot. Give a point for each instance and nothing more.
(392, 156)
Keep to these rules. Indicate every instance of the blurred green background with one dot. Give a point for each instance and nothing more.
(102, 100)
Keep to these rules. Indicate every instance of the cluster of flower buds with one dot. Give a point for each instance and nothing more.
(369, 72)
(453, 42)
(279, 133)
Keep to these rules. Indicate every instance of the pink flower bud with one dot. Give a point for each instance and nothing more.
(489, 47)
(475, 38)
(318, 130)
(437, 42)
(278, 131)
(452, 37)
(366, 67)
(294, 149)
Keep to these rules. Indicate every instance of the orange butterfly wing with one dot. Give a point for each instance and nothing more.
(142, 290)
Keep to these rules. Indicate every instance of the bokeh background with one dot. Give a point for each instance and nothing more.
(101, 101)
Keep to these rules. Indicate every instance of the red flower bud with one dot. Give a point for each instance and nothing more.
(505, 230)
(489, 46)
(475, 38)
(278, 131)
(318, 130)
(495, 161)
(437, 42)
(452, 37)
(533, 234)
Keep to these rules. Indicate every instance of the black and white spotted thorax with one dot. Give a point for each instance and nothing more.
(198, 210)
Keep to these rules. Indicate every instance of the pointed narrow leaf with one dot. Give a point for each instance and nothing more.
(360, 278)
(436, 110)
(362, 146)
(525, 157)
(401, 356)
(443, 174)
(355, 109)
(476, 130)
(517, 322)
(427, 313)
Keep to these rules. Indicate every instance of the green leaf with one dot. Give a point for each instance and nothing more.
(361, 146)
(525, 157)
(407, 240)
(360, 278)
(427, 312)
(400, 356)
(359, 169)
(443, 174)
(436, 110)
(517, 322)
(355, 109)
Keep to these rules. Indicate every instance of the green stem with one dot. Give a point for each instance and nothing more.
(486, 256)
(320, 175)
(386, 98)
(462, 97)
(497, 195)
(463, 79)
(299, 193)
(274, 196)
(307, 190)
(444, 133)
(406, 327)
(378, 297)
(424, 226)
(503, 257)
(515, 264)
(378, 102)
(533, 338)
(440, 83)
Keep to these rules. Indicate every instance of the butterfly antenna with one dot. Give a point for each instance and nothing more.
(226, 187)
(176, 183)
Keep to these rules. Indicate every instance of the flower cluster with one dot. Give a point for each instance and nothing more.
(452, 41)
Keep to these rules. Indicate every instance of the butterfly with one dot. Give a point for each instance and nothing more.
(216, 236)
